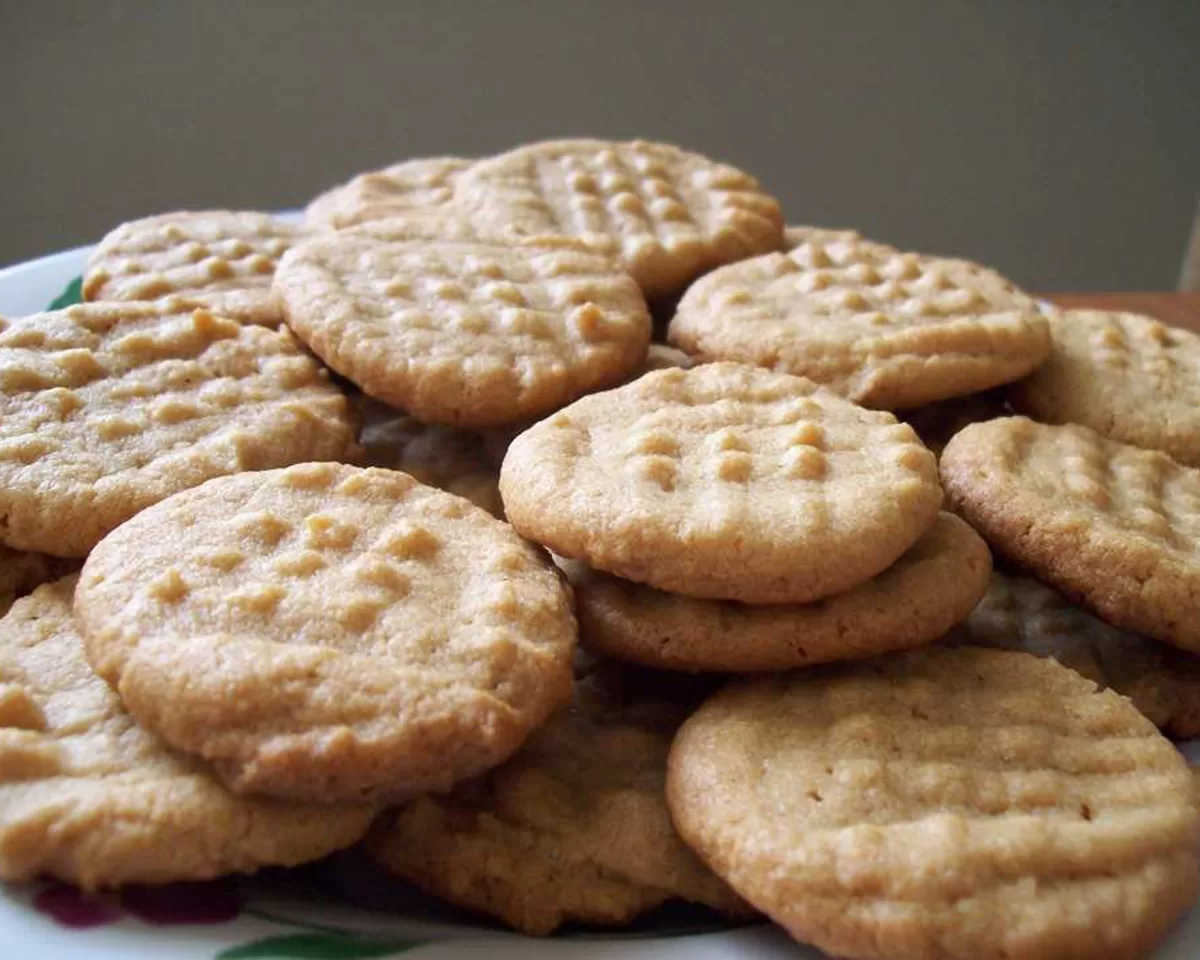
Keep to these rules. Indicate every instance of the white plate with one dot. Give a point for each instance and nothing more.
(327, 911)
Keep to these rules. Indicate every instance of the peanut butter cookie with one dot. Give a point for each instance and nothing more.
(1113, 527)
(329, 632)
(574, 827)
(723, 482)
(414, 185)
(1018, 613)
(913, 602)
(665, 214)
(90, 798)
(942, 803)
(106, 408)
(467, 335)
(1126, 376)
(463, 462)
(887, 329)
(221, 259)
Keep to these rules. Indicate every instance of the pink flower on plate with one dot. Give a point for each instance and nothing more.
(178, 903)
(68, 907)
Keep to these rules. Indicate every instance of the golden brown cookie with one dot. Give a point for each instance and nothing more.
(463, 462)
(723, 482)
(913, 602)
(667, 215)
(466, 335)
(1126, 376)
(574, 827)
(88, 797)
(941, 804)
(887, 329)
(1113, 527)
(106, 408)
(221, 259)
(1018, 613)
(413, 185)
(329, 632)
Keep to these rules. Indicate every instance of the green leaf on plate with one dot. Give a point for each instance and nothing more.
(318, 946)
(71, 295)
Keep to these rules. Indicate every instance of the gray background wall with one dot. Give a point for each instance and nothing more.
(1059, 141)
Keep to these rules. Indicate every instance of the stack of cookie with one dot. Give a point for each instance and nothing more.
(732, 519)
(285, 639)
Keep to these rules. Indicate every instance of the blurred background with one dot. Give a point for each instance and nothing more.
(1059, 142)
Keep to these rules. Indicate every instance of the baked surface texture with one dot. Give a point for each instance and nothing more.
(723, 482)
(329, 632)
(913, 602)
(413, 186)
(941, 803)
(1124, 375)
(222, 259)
(1018, 613)
(106, 408)
(888, 329)
(1113, 527)
(465, 334)
(574, 827)
(665, 214)
(88, 797)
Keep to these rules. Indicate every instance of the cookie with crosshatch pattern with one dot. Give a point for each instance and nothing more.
(222, 259)
(725, 482)
(106, 408)
(88, 797)
(1124, 375)
(887, 329)
(412, 186)
(575, 826)
(1111, 526)
(1018, 613)
(942, 803)
(913, 602)
(464, 334)
(665, 214)
(328, 632)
